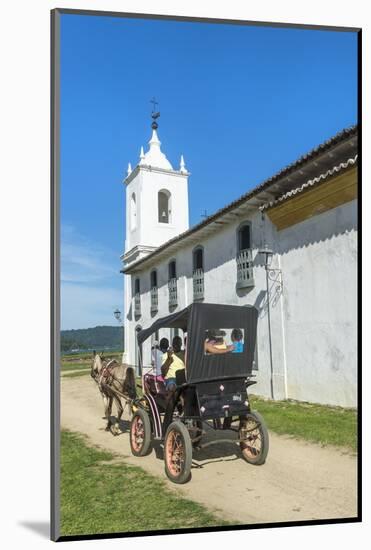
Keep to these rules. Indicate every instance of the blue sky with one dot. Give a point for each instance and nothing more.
(239, 102)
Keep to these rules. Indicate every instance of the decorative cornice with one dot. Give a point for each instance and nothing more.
(147, 168)
(135, 251)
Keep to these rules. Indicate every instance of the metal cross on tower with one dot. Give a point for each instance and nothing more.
(154, 102)
(155, 114)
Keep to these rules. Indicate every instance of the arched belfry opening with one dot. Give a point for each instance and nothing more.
(164, 206)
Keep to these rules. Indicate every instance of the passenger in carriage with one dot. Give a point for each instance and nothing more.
(157, 355)
(164, 345)
(172, 362)
(156, 358)
(237, 340)
(177, 347)
(214, 342)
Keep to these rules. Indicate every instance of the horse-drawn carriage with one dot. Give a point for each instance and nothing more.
(211, 392)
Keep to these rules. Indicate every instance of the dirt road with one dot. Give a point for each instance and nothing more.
(299, 481)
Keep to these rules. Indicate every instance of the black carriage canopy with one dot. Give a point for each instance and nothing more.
(220, 339)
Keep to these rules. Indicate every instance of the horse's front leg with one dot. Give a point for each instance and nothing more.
(108, 412)
(105, 402)
(116, 429)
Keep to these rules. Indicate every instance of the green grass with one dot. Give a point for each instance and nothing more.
(317, 423)
(88, 355)
(103, 495)
(76, 374)
(74, 366)
(139, 383)
(83, 360)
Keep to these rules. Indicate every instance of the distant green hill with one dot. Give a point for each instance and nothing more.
(98, 338)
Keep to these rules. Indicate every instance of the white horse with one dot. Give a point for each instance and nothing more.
(115, 382)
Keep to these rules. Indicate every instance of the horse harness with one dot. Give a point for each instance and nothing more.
(107, 377)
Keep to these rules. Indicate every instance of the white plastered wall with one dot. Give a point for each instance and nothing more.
(313, 321)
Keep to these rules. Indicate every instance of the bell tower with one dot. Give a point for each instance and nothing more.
(156, 200)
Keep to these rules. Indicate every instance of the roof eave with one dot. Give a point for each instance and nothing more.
(270, 188)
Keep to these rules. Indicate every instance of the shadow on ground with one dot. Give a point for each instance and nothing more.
(217, 452)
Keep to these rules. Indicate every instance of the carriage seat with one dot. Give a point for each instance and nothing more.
(156, 384)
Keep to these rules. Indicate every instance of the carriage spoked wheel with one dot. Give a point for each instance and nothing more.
(178, 453)
(254, 433)
(140, 433)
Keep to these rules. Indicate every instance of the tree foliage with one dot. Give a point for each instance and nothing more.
(101, 337)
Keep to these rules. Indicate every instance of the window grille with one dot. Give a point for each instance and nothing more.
(198, 284)
(154, 299)
(137, 308)
(245, 275)
(173, 292)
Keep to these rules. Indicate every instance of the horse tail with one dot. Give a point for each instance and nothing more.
(130, 383)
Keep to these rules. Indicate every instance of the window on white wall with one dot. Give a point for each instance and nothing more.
(172, 270)
(245, 269)
(154, 292)
(133, 212)
(198, 258)
(137, 286)
(198, 273)
(244, 237)
(137, 304)
(172, 284)
(164, 206)
(153, 278)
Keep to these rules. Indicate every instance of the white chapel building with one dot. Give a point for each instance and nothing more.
(288, 247)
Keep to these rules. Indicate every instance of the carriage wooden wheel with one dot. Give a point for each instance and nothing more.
(140, 433)
(255, 442)
(178, 453)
